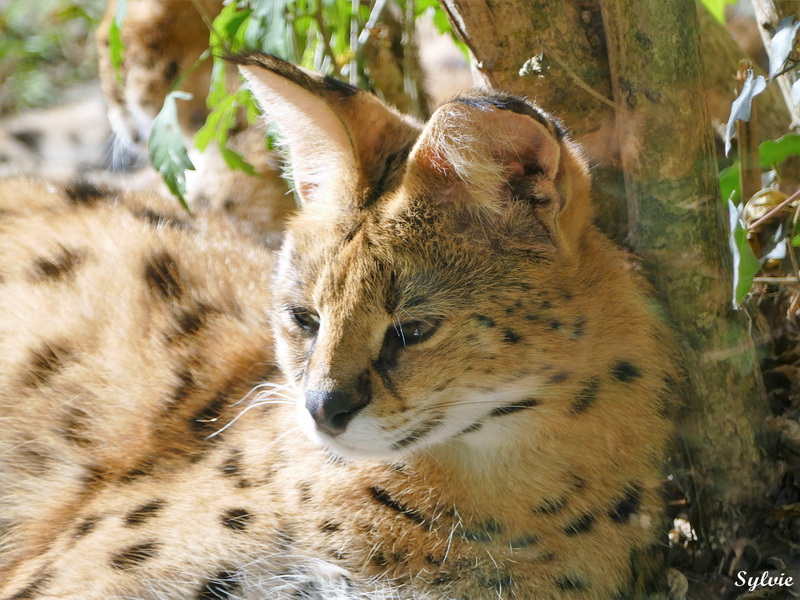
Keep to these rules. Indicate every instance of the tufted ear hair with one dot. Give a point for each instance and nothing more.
(485, 150)
(342, 142)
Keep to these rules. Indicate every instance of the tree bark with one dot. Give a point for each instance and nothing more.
(677, 219)
(678, 228)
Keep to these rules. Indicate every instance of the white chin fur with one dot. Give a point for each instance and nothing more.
(342, 445)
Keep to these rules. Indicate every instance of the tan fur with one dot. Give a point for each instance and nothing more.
(514, 452)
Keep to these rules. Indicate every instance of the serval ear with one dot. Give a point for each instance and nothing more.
(344, 144)
(487, 150)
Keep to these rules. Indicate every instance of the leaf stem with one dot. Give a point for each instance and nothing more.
(326, 37)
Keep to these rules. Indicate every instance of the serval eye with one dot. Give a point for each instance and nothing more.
(415, 332)
(305, 319)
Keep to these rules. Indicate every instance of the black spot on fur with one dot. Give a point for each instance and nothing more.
(86, 194)
(190, 322)
(186, 386)
(554, 324)
(382, 496)
(515, 407)
(525, 541)
(584, 524)
(94, 475)
(171, 71)
(625, 372)
(329, 527)
(33, 589)
(28, 137)
(220, 587)
(586, 396)
(379, 559)
(510, 336)
(434, 560)
(57, 267)
(163, 277)
(304, 492)
(77, 425)
(232, 465)
(579, 481)
(578, 329)
(551, 506)
(206, 419)
(237, 519)
(622, 509)
(572, 582)
(484, 321)
(559, 377)
(483, 532)
(134, 555)
(143, 469)
(472, 428)
(46, 362)
(141, 514)
(86, 526)
(159, 220)
(417, 434)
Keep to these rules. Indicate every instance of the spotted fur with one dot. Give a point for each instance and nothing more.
(430, 433)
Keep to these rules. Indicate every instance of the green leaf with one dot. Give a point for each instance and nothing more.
(745, 263)
(729, 182)
(218, 88)
(166, 149)
(218, 123)
(717, 8)
(116, 47)
(771, 153)
(796, 240)
(236, 161)
(774, 152)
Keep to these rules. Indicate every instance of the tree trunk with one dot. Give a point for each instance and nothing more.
(659, 110)
(678, 228)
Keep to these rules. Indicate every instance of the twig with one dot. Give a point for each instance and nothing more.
(791, 64)
(774, 211)
(777, 280)
(201, 10)
(326, 38)
(353, 74)
(581, 83)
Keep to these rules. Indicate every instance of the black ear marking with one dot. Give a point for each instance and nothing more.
(504, 101)
(322, 86)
